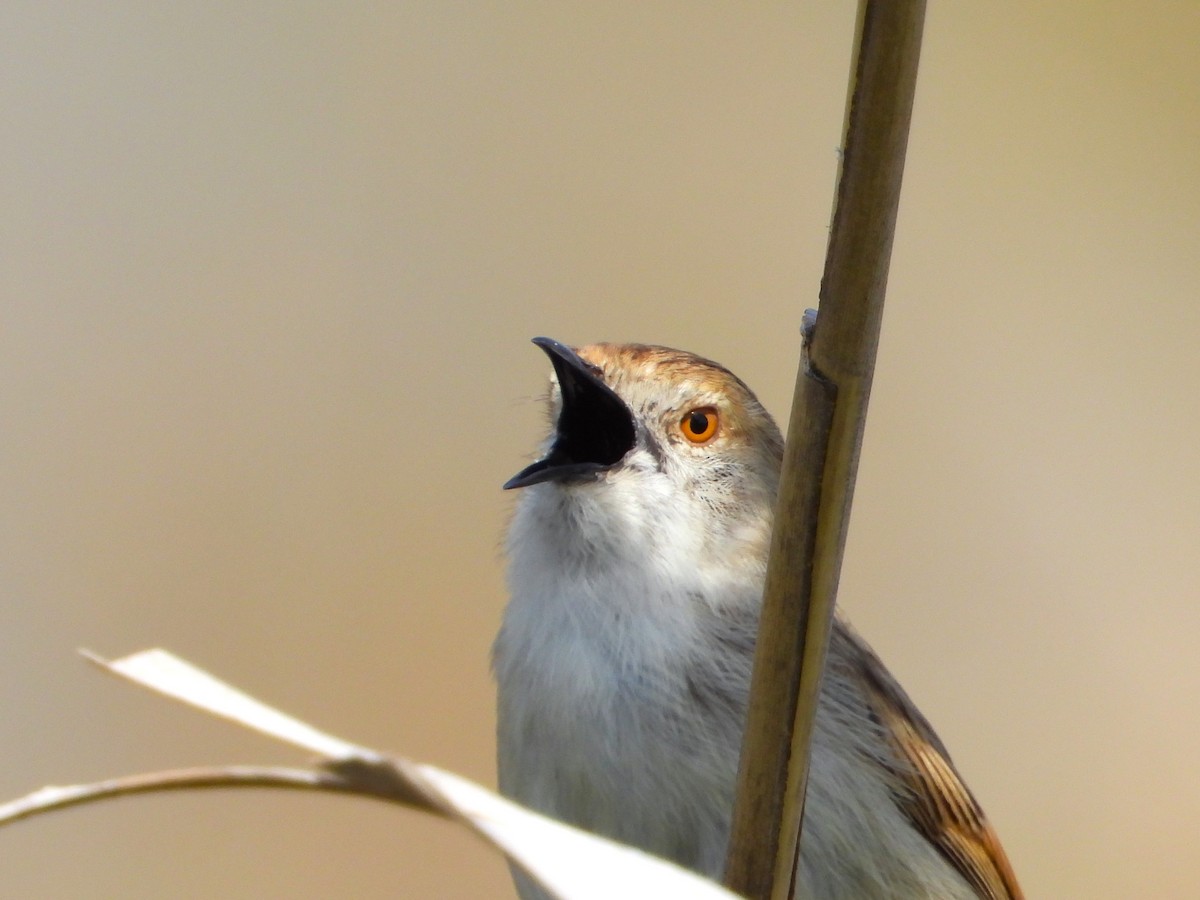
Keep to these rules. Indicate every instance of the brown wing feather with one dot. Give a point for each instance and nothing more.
(936, 799)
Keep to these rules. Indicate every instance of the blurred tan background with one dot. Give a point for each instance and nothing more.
(269, 275)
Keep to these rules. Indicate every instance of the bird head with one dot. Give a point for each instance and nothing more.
(651, 442)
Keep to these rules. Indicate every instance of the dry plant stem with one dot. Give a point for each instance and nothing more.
(566, 861)
(48, 799)
(821, 459)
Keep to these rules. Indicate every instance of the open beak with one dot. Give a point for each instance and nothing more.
(595, 428)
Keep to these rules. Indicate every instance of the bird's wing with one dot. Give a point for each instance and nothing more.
(935, 797)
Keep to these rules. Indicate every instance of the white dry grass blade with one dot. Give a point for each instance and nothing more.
(571, 864)
(167, 674)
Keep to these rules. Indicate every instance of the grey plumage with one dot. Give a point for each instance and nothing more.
(623, 663)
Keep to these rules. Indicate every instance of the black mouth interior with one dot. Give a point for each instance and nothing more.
(595, 428)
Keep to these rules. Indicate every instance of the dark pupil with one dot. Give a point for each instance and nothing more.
(698, 422)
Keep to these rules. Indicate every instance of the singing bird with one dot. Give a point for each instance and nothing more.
(637, 553)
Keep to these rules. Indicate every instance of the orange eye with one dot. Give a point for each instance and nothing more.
(699, 425)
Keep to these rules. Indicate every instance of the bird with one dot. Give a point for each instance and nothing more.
(637, 551)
